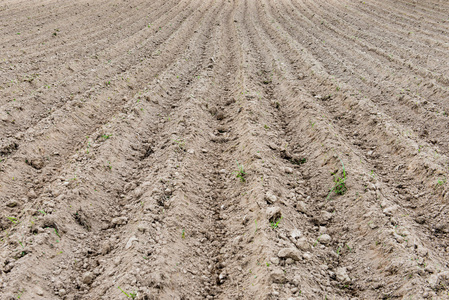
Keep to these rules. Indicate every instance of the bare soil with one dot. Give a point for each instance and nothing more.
(209, 149)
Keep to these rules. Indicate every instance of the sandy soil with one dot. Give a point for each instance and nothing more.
(209, 149)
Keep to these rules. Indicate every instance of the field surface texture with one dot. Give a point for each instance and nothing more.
(212, 149)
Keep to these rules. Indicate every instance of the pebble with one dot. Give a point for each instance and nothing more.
(130, 242)
(277, 276)
(292, 253)
(389, 211)
(143, 227)
(288, 170)
(301, 206)
(342, 275)
(303, 244)
(307, 256)
(326, 215)
(295, 234)
(274, 260)
(325, 239)
(273, 213)
(119, 221)
(270, 197)
(88, 277)
(32, 194)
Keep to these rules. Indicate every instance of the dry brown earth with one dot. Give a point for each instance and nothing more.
(123, 125)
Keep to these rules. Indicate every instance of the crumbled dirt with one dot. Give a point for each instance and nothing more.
(240, 149)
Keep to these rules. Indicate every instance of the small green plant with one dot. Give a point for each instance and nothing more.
(275, 224)
(441, 181)
(12, 219)
(183, 234)
(268, 264)
(240, 172)
(106, 136)
(340, 183)
(130, 295)
(181, 144)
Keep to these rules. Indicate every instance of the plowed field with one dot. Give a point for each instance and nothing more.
(212, 149)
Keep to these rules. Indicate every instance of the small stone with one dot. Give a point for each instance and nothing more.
(372, 225)
(422, 251)
(87, 278)
(307, 256)
(342, 275)
(292, 253)
(223, 171)
(277, 276)
(325, 239)
(220, 115)
(39, 291)
(37, 163)
(258, 155)
(326, 215)
(62, 292)
(191, 151)
(106, 248)
(119, 221)
(32, 194)
(289, 261)
(274, 260)
(204, 150)
(143, 227)
(303, 244)
(389, 211)
(301, 206)
(117, 260)
(398, 238)
(273, 213)
(288, 170)
(270, 197)
(138, 192)
(295, 234)
(130, 242)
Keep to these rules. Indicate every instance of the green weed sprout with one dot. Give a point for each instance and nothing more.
(12, 219)
(130, 295)
(340, 183)
(240, 173)
(274, 224)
